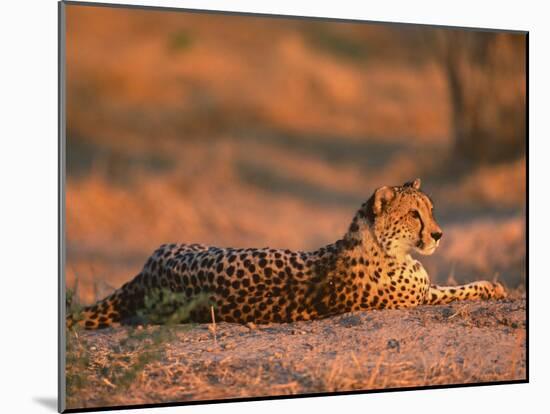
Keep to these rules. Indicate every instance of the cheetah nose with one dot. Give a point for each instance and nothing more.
(437, 235)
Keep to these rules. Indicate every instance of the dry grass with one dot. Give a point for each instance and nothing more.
(196, 131)
(270, 72)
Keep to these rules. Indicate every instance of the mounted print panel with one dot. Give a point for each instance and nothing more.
(260, 206)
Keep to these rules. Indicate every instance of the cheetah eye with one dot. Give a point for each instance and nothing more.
(415, 214)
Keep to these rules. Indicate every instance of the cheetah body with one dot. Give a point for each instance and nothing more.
(369, 268)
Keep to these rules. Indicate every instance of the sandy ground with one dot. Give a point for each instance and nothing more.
(467, 342)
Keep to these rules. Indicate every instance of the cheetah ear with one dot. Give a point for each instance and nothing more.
(414, 184)
(382, 197)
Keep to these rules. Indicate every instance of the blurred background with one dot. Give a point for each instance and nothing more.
(248, 132)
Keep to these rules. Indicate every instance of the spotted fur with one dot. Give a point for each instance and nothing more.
(369, 268)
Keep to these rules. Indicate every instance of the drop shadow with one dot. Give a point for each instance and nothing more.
(48, 402)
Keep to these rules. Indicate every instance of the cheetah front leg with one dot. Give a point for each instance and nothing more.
(438, 295)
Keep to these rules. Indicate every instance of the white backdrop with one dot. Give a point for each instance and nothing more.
(28, 202)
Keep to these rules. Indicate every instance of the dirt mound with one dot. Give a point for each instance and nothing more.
(465, 342)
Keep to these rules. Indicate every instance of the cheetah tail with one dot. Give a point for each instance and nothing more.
(109, 311)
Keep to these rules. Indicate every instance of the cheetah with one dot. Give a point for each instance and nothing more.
(369, 268)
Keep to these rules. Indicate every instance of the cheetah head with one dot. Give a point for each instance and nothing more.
(402, 220)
